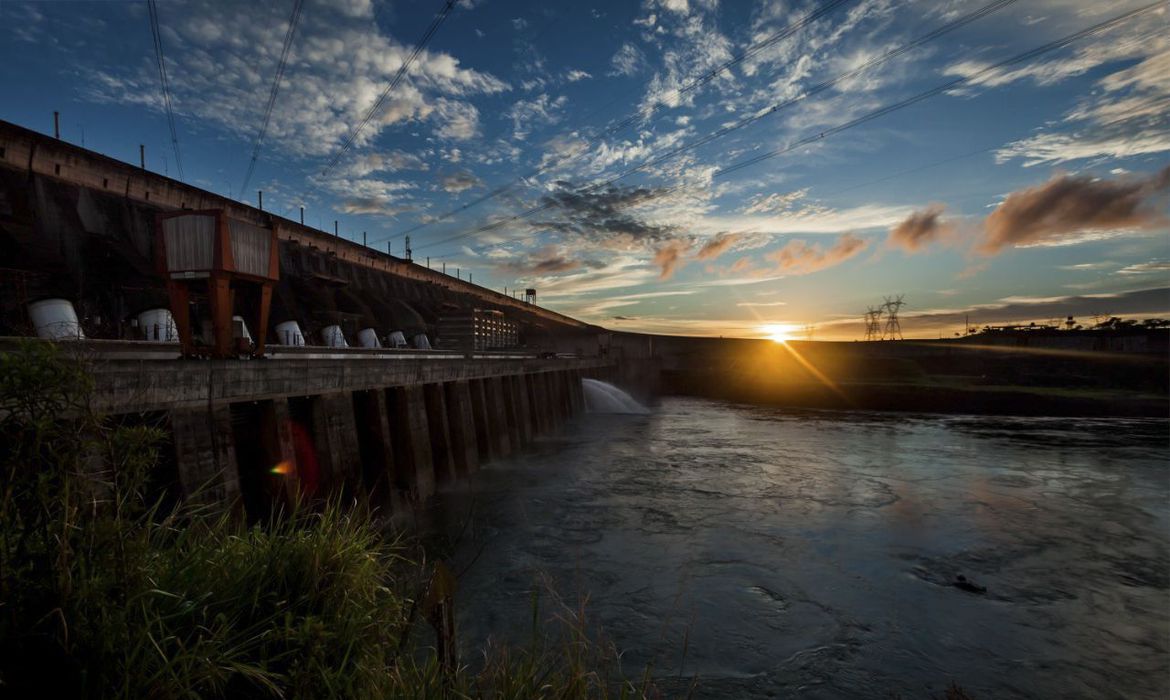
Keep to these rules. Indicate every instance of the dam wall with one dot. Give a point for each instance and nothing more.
(387, 428)
(79, 225)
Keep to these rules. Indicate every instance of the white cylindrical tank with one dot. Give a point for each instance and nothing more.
(422, 342)
(158, 326)
(333, 337)
(245, 334)
(289, 333)
(55, 319)
(368, 338)
(396, 339)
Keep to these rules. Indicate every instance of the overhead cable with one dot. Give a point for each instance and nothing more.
(258, 142)
(973, 78)
(166, 86)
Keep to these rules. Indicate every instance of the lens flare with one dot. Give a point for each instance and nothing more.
(285, 468)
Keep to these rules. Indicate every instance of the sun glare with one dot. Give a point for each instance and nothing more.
(779, 332)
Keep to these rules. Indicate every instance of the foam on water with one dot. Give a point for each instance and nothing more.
(603, 397)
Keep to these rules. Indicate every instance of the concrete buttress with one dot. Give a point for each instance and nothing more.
(411, 437)
(483, 424)
(205, 454)
(440, 432)
(461, 427)
(497, 413)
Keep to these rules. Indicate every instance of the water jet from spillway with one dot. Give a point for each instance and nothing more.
(603, 397)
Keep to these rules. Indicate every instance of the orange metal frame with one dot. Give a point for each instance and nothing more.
(222, 280)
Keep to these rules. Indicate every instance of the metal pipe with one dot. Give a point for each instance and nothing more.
(56, 125)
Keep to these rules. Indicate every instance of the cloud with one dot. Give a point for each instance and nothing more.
(800, 258)
(718, 245)
(459, 182)
(381, 206)
(457, 120)
(920, 229)
(574, 75)
(1068, 205)
(628, 61)
(539, 111)
(605, 215)
(762, 303)
(1125, 115)
(669, 257)
(338, 68)
(1153, 266)
(547, 260)
(774, 203)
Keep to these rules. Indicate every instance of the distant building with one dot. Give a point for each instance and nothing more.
(482, 329)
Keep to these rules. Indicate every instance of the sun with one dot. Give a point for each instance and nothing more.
(779, 332)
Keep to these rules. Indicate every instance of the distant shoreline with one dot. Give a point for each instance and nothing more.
(995, 400)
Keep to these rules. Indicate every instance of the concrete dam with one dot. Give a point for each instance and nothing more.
(279, 358)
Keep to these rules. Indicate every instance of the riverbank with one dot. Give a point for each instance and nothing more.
(924, 395)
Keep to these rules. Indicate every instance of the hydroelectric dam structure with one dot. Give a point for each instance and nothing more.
(280, 359)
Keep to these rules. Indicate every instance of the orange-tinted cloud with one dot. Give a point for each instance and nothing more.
(920, 229)
(718, 245)
(1071, 204)
(670, 257)
(799, 258)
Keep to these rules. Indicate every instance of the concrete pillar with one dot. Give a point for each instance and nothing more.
(440, 433)
(512, 413)
(483, 425)
(536, 412)
(567, 393)
(373, 420)
(461, 427)
(556, 397)
(497, 413)
(335, 433)
(548, 406)
(205, 455)
(412, 443)
(578, 392)
(523, 412)
(277, 431)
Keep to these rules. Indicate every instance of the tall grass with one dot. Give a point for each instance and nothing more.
(105, 594)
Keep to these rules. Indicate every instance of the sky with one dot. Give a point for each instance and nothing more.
(705, 167)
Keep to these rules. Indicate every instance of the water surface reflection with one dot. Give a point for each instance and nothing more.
(814, 552)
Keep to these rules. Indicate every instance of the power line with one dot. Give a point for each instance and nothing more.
(398, 77)
(156, 35)
(352, 136)
(888, 109)
(774, 109)
(280, 66)
(694, 84)
(946, 87)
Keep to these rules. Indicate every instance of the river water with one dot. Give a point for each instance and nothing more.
(774, 552)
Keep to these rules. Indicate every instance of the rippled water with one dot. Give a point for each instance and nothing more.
(814, 553)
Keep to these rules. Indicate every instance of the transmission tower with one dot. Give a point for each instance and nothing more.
(893, 330)
(873, 323)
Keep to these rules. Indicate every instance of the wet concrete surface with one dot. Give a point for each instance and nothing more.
(775, 553)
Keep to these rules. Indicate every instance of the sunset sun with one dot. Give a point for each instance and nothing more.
(779, 332)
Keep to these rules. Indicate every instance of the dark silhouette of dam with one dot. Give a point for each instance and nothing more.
(390, 385)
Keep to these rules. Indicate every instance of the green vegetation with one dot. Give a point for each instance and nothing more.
(103, 593)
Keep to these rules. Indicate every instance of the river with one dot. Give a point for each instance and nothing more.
(772, 552)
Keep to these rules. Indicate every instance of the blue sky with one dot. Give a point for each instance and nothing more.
(1027, 192)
